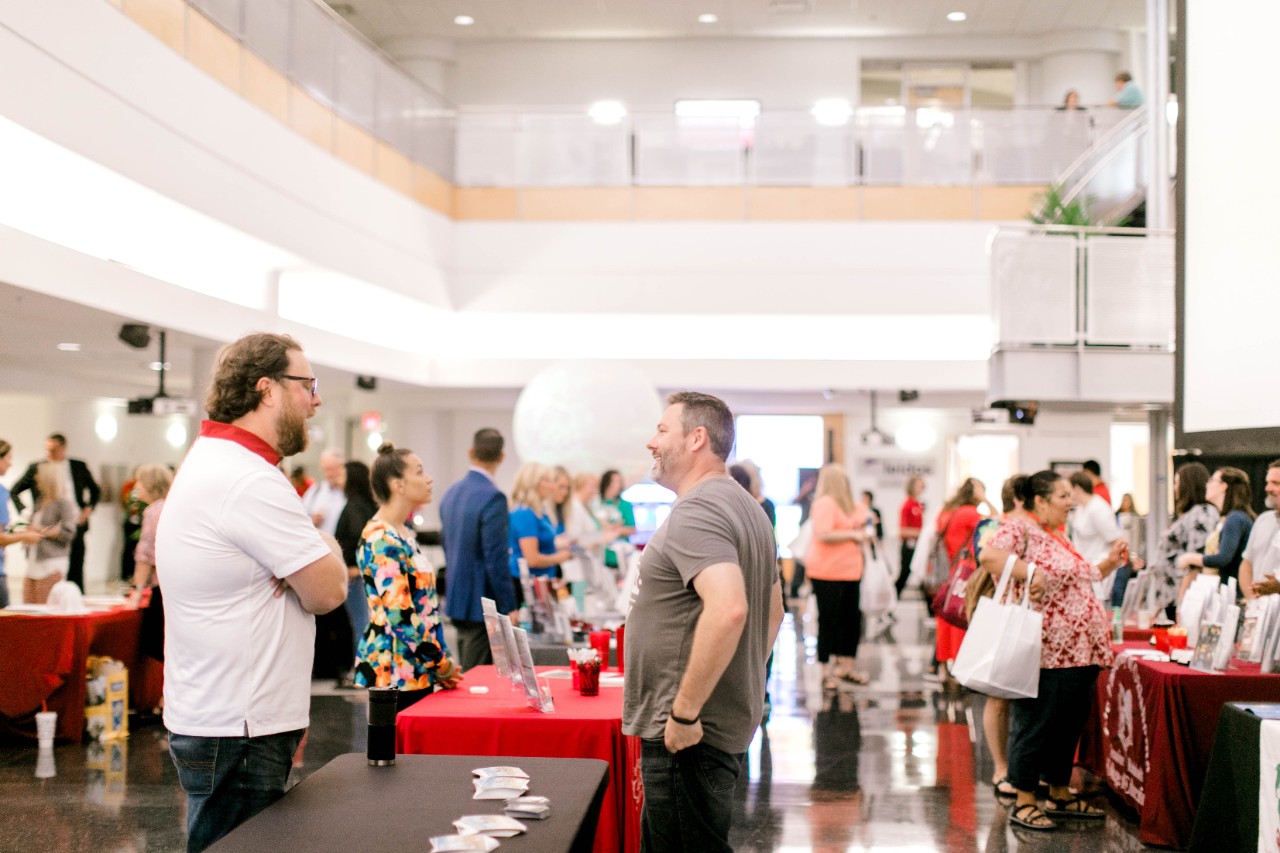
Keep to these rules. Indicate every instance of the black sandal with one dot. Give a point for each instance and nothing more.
(1073, 807)
(1029, 816)
(1000, 792)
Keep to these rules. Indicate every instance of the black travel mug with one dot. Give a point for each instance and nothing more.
(382, 725)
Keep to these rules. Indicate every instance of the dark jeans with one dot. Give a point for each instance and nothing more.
(1124, 574)
(1044, 731)
(839, 617)
(906, 553)
(4, 592)
(357, 607)
(797, 578)
(473, 644)
(688, 798)
(229, 779)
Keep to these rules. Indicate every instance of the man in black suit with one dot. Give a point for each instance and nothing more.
(78, 482)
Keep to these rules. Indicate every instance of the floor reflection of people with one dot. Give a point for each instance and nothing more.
(835, 809)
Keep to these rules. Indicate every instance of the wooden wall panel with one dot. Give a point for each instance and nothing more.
(485, 203)
(802, 203)
(691, 203)
(576, 204)
(917, 203)
(434, 191)
(162, 18)
(310, 118)
(353, 144)
(213, 51)
(1003, 203)
(393, 168)
(262, 85)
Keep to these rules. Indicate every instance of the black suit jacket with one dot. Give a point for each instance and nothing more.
(86, 488)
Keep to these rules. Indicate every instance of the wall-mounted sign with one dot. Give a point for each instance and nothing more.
(893, 468)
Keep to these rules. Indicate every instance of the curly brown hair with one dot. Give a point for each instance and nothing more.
(237, 369)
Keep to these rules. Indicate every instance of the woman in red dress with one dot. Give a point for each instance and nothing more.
(956, 522)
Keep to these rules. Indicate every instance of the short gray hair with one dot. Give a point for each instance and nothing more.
(710, 413)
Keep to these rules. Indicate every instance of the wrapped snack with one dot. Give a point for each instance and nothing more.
(508, 772)
(492, 825)
(461, 843)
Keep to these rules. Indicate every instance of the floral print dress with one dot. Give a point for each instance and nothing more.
(404, 643)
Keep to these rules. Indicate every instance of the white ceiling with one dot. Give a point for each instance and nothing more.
(380, 20)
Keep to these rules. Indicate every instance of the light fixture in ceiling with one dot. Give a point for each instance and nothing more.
(69, 347)
(464, 20)
(956, 17)
(155, 365)
(708, 18)
(176, 434)
(832, 112)
(607, 112)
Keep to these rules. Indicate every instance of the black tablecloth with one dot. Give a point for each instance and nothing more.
(1227, 816)
(348, 806)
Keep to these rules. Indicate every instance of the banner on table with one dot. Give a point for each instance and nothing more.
(1269, 785)
(1124, 732)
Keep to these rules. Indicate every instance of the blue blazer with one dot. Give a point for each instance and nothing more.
(474, 527)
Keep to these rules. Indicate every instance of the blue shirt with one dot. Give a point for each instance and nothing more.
(524, 524)
(4, 521)
(1130, 97)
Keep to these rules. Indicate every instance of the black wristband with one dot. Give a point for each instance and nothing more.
(682, 721)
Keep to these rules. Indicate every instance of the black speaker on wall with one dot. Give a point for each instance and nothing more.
(367, 383)
(136, 335)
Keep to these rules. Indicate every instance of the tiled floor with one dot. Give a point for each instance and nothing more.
(895, 765)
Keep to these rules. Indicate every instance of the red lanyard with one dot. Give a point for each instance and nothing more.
(1063, 542)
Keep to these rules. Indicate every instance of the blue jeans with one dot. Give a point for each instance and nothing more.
(358, 612)
(229, 779)
(688, 798)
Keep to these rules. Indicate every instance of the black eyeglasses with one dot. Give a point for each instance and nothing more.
(315, 383)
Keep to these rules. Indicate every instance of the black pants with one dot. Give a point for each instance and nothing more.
(75, 569)
(906, 553)
(839, 617)
(1044, 731)
(473, 644)
(688, 798)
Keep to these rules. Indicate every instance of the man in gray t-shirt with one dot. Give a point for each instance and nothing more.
(704, 616)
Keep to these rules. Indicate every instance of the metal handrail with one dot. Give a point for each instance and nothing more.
(1101, 152)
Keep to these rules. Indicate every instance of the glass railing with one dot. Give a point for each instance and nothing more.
(1061, 286)
(886, 146)
(321, 53)
(1110, 178)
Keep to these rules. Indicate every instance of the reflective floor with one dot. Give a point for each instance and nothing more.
(896, 765)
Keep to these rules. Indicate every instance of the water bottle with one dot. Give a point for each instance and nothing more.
(382, 725)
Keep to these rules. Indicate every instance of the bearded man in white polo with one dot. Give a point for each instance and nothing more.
(243, 570)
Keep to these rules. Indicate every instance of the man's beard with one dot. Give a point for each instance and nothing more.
(1271, 502)
(291, 432)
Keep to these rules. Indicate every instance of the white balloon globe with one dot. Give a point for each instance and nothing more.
(588, 416)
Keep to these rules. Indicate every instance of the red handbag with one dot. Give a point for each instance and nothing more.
(949, 603)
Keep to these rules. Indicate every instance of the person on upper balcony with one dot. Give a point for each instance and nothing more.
(1128, 95)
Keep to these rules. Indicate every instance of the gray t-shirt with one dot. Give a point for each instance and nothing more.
(717, 521)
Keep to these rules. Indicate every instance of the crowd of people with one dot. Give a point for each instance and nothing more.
(235, 561)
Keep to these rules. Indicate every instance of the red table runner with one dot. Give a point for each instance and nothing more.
(458, 722)
(42, 660)
(1151, 734)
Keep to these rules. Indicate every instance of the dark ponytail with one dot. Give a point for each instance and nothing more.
(1038, 485)
(389, 465)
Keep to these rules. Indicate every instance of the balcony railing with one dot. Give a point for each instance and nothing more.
(879, 146)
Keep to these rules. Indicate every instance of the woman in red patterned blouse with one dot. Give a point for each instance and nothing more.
(1076, 643)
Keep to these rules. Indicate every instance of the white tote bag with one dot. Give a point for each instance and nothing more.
(1000, 655)
(799, 546)
(877, 593)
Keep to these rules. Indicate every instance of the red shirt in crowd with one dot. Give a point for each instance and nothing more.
(912, 515)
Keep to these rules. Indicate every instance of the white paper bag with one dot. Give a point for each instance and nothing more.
(1000, 655)
(799, 546)
(877, 595)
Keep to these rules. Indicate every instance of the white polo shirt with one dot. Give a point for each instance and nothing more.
(237, 659)
(1262, 550)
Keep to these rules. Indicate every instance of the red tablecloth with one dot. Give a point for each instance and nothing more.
(1137, 635)
(1151, 734)
(42, 660)
(457, 722)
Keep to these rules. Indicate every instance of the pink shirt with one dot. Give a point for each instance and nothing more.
(145, 552)
(1076, 630)
(840, 561)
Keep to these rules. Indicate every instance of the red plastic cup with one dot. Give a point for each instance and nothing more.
(618, 634)
(1177, 641)
(589, 678)
(577, 677)
(1161, 636)
(600, 642)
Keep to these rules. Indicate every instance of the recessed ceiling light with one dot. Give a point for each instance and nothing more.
(464, 20)
(956, 17)
(68, 347)
(708, 18)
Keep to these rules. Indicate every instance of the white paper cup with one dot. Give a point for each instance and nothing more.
(46, 727)
(46, 767)
(1145, 618)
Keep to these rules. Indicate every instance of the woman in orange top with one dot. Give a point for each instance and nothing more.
(834, 568)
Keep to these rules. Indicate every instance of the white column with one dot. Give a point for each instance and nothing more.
(1159, 187)
(1158, 512)
(1090, 72)
(427, 60)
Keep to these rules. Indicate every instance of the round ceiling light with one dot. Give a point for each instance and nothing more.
(708, 18)
(464, 20)
(956, 17)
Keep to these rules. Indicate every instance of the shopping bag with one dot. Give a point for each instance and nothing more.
(1000, 655)
(949, 603)
(877, 595)
(799, 546)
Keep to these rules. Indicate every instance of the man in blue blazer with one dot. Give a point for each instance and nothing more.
(474, 522)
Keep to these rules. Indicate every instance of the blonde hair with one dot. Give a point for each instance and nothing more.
(47, 484)
(524, 492)
(156, 479)
(834, 483)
